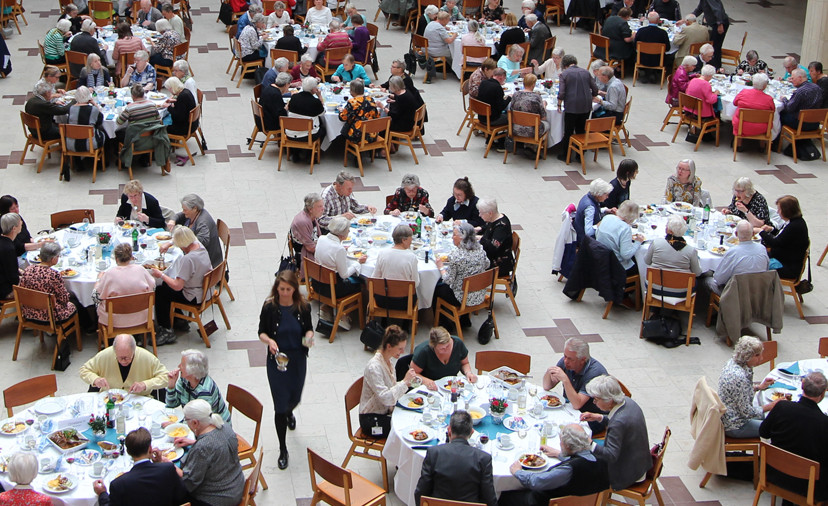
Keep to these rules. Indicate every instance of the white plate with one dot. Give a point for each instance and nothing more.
(442, 383)
(166, 235)
(534, 468)
(405, 400)
(72, 479)
(504, 369)
(546, 402)
(49, 406)
(179, 452)
(122, 393)
(83, 439)
(174, 426)
(87, 457)
(356, 253)
(406, 434)
(718, 250)
(15, 430)
(511, 423)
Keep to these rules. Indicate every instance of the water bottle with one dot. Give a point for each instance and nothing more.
(134, 239)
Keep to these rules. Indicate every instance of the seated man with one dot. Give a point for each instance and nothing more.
(806, 95)
(691, 33)
(456, 471)
(86, 43)
(789, 64)
(123, 365)
(147, 482)
(338, 199)
(614, 99)
(653, 33)
(41, 105)
(574, 370)
(744, 258)
(579, 473)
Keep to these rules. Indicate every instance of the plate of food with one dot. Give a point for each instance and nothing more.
(162, 236)
(176, 430)
(45, 238)
(649, 210)
(414, 401)
(69, 273)
(477, 414)
(49, 406)
(552, 401)
(107, 448)
(172, 452)
(409, 215)
(532, 461)
(87, 457)
(60, 483)
(732, 240)
(154, 95)
(117, 395)
(418, 434)
(781, 394)
(356, 253)
(443, 257)
(683, 207)
(153, 264)
(380, 237)
(515, 423)
(127, 225)
(718, 250)
(13, 426)
(446, 384)
(506, 375)
(365, 222)
(68, 440)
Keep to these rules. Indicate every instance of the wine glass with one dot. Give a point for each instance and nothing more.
(522, 431)
(533, 390)
(143, 230)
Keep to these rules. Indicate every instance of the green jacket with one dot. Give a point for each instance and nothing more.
(157, 141)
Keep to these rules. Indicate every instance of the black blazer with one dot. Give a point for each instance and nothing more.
(9, 275)
(291, 43)
(153, 210)
(457, 472)
(147, 483)
(86, 44)
(469, 212)
(514, 35)
(491, 92)
(273, 106)
(788, 246)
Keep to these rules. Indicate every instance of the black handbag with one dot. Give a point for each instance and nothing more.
(287, 263)
(805, 286)
(371, 335)
(661, 328)
(62, 359)
(324, 327)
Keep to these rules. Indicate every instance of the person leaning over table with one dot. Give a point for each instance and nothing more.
(336, 38)
(539, 33)
(52, 75)
(736, 390)
(806, 95)
(140, 72)
(684, 185)
(791, 63)
(305, 230)
(511, 34)
(251, 42)
(400, 263)
(285, 326)
(179, 106)
(462, 205)
(23, 241)
(453, 10)
(589, 212)
(307, 104)
(689, 32)
(148, 15)
(148, 482)
(613, 98)
(181, 70)
(191, 380)
(787, 244)
(126, 278)
(485, 72)
(621, 39)
(752, 64)
(491, 93)
(743, 258)
(126, 366)
(350, 70)
(187, 285)
(410, 196)
(465, 259)
(621, 184)
(748, 204)
(551, 68)
(86, 43)
(41, 105)
(22, 469)
(10, 226)
(380, 389)
(615, 232)
(138, 205)
(162, 49)
(575, 369)
(302, 71)
(86, 112)
(273, 102)
(280, 16)
(357, 109)
(54, 50)
(511, 64)
(496, 238)
(196, 218)
(442, 355)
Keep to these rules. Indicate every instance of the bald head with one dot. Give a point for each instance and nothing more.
(653, 18)
(124, 347)
(744, 231)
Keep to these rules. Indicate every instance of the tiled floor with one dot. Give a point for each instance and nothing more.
(258, 203)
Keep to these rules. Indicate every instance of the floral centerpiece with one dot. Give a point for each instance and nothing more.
(104, 237)
(336, 90)
(497, 407)
(548, 83)
(98, 425)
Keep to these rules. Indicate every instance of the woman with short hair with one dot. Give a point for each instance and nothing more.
(493, 11)
(179, 106)
(181, 70)
(748, 204)
(194, 216)
(442, 355)
(752, 64)
(615, 232)
(551, 68)
(94, 74)
(302, 71)
(138, 205)
(465, 259)
(54, 49)
(319, 13)
(497, 237)
(360, 36)
(359, 108)
(753, 98)
(481, 74)
(736, 390)
(700, 88)
(140, 72)
(250, 42)
(162, 49)
(680, 80)
(511, 63)
(280, 15)
(125, 278)
(402, 108)
(72, 14)
(305, 229)
(410, 196)
(85, 112)
(672, 252)
(349, 70)
(400, 263)
(192, 380)
(588, 212)
(527, 100)
(789, 243)
(22, 469)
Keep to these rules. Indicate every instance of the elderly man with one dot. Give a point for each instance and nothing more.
(691, 33)
(273, 103)
(743, 258)
(41, 105)
(805, 96)
(279, 65)
(574, 370)
(123, 365)
(339, 202)
(491, 92)
(789, 64)
(177, 24)
(86, 43)
(820, 79)
(595, 69)
(614, 99)
(705, 57)
(148, 15)
(191, 380)
(331, 254)
(456, 471)
(801, 428)
(246, 18)
(717, 22)
(652, 33)
(538, 33)
(577, 88)
(637, 7)
(621, 40)
(579, 473)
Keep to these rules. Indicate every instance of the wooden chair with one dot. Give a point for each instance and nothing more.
(268, 6)
(369, 52)
(433, 501)
(822, 257)
(468, 119)
(258, 115)
(739, 450)
(504, 284)
(5, 18)
(600, 42)
(791, 465)
(481, 109)
(574, 21)
(653, 49)
(823, 347)
(696, 48)
(28, 391)
(472, 6)
(340, 486)
(32, 123)
(420, 44)
(292, 56)
(525, 61)
(473, 52)
(102, 6)
(484, 280)
(490, 360)
(286, 142)
(180, 141)
(34, 299)
(549, 45)
(180, 52)
(362, 444)
(754, 116)
(577, 500)
(632, 285)
(63, 219)
(789, 286)
(342, 305)
(674, 111)
(246, 67)
(394, 288)
(73, 58)
(251, 487)
(8, 309)
(733, 57)
(692, 118)
(379, 128)
(248, 405)
(210, 296)
(415, 15)
(642, 490)
(792, 135)
(224, 237)
(80, 132)
(397, 138)
(64, 67)
(527, 119)
(124, 305)
(331, 54)
(674, 281)
(770, 350)
(552, 9)
(135, 152)
(126, 59)
(598, 135)
(136, 6)
(617, 129)
(231, 36)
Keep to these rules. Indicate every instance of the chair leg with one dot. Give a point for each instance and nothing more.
(17, 341)
(822, 257)
(607, 310)
(335, 325)
(797, 299)
(689, 327)
(705, 480)
(657, 494)
(226, 287)
(223, 314)
(154, 344)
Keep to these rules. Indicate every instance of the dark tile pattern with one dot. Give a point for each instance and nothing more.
(558, 335)
(785, 174)
(47, 14)
(212, 96)
(254, 351)
(249, 231)
(571, 181)
(782, 57)
(14, 158)
(110, 197)
(202, 10)
(19, 99)
(815, 320)
(30, 51)
(643, 143)
(765, 4)
(232, 151)
(358, 186)
(439, 147)
(210, 46)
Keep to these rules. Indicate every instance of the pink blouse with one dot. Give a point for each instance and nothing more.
(700, 88)
(124, 280)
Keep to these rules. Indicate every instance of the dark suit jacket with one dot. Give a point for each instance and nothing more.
(788, 246)
(153, 210)
(457, 472)
(147, 483)
(626, 448)
(652, 33)
(291, 43)
(273, 106)
(509, 36)
(537, 36)
(491, 92)
(46, 111)
(86, 44)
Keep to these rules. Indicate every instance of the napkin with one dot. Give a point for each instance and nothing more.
(792, 369)
(110, 117)
(782, 385)
(152, 231)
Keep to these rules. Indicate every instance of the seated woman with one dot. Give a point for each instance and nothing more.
(429, 15)
(126, 278)
(400, 263)
(402, 108)
(410, 196)
(526, 100)
(319, 13)
(380, 389)
(195, 217)
(485, 71)
(551, 68)
(309, 104)
(789, 243)
(453, 10)
(93, 74)
(138, 205)
(589, 213)
(23, 241)
(493, 11)
(615, 232)
(181, 70)
(700, 88)
(684, 186)
(305, 230)
(162, 49)
(187, 285)
(462, 205)
(736, 390)
(179, 106)
(43, 278)
(465, 259)
(511, 34)
(672, 253)
(289, 42)
(358, 109)
(10, 226)
(126, 43)
(752, 64)
(753, 98)
(497, 237)
(511, 64)
(280, 16)
(211, 473)
(331, 254)
(336, 38)
(22, 469)
(54, 49)
(443, 355)
(192, 380)
(476, 39)
(349, 70)
(681, 78)
(360, 36)
(627, 170)
(251, 42)
(302, 71)
(748, 204)
(71, 13)
(85, 112)
(140, 72)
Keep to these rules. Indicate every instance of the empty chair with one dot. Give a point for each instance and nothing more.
(340, 486)
(28, 391)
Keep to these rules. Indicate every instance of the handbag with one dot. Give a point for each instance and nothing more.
(324, 327)
(287, 263)
(484, 334)
(62, 359)
(661, 328)
(371, 336)
(805, 286)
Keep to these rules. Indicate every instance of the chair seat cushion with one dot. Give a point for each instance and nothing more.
(363, 491)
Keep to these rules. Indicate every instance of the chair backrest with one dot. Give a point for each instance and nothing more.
(231, 34)
(378, 126)
(787, 463)
(596, 125)
(672, 280)
(433, 501)
(770, 351)
(66, 218)
(246, 404)
(515, 249)
(77, 132)
(128, 304)
(257, 108)
(316, 272)
(373, 30)
(195, 115)
(31, 123)
(823, 347)
(650, 48)
(296, 124)
(126, 59)
(464, 91)
(809, 116)
(29, 390)
(42, 52)
(477, 282)
(180, 50)
(627, 108)
(212, 280)
(695, 48)
(529, 119)
(489, 360)
(596, 40)
(690, 102)
(573, 500)
(224, 235)
(257, 92)
(476, 52)
(292, 56)
(549, 46)
(658, 463)
(391, 287)
(480, 108)
(75, 58)
(420, 42)
(251, 484)
(329, 472)
(335, 54)
(755, 116)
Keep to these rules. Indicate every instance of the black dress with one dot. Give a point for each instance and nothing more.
(618, 195)
(788, 245)
(180, 113)
(402, 112)
(497, 243)
(286, 386)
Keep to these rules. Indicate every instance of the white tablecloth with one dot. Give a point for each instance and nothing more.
(309, 40)
(456, 50)
(763, 397)
(670, 28)
(106, 39)
(335, 101)
(111, 107)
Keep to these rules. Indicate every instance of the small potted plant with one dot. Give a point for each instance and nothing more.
(497, 407)
(336, 90)
(98, 426)
(548, 83)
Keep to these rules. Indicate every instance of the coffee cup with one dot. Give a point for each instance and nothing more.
(505, 440)
(427, 418)
(97, 468)
(47, 465)
(537, 410)
(156, 430)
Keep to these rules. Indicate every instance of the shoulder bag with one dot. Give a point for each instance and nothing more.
(661, 328)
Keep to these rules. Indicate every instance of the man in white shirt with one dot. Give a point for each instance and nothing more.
(175, 20)
(331, 254)
(744, 258)
(398, 263)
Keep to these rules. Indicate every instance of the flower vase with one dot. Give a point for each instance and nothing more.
(497, 418)
(97, 436)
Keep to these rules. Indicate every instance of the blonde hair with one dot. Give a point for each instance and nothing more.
(183, 237)
(133, 187)
(174, 84)
(438, 336)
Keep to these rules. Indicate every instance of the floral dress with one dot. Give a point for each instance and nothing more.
(357, 110)
(45, 279)
(757, 205)
(736, 393)
(747, 68)
(403, 203)
(528, 101)
(677, 191)
(461, 264)
(495, 14)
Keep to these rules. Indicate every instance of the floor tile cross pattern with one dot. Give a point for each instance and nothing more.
(571, 181)
(558, 335)
(358, 186)
(785, 174)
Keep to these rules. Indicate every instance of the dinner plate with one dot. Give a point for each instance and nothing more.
(533, 466)
(356, 253)
(428, 431)
(445, 385)
(154, 95)
(87, 457)
(172, 453)
(70, 483)
(69, 273)
(406, 401)
(546, 401)
(13, 426)
(118, 396)
(506, 376)
(515, 423)
(162, 236)
(177, 428)
(718, 250)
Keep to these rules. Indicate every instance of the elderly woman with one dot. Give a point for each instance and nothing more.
(453, 10)
(162, 49)
(181, 71)
(351, 12)
(126, 43)
(186, 287)
(85, 112)
(22, 469)
(305, 229)
(752, 65)
(285, 327)
(672, 252)
(595, 70)
(588, 212)
(359, 38)
(191, 380)
(138, 205)
(280, 16)
(684, 185)
(497, 236)
(126, 278)
(42, 277)
(309, 104)
(551, 68)
(627, 170)
(511, 34)
(410, 196)
(10, 226)
(52, 75)
(251, 42)
(319, 13)
(400, 263)
(615, 232)
(359, 108)
(443, 355)
(626, 449)
(700, 88)
(493, 11)
(179, 106)
(349, 70)
(336, 38)
(331, 254)
(211, 473)
(462, 205)
(302, 71)
(273, 102)
(93, 74)
(380, 389)
(23, 241)
(194, 216)
(528, 7)
(140, 72)
(473, 38)
(788, 244)
(402, 108)
(680, 80)
(465, 259)
(54, 50)
(429, 15)
(246, 19)
(485, 71)
(748, 204)
(753, 98)
(527, 100)
(736, 389)
(511, 63)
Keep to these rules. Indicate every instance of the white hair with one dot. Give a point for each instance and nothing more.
(125, 339)
(628, 211)
(527, 4)
(182, 65)
(688, 61)
(575, 439)
(558, 51)
(486, 205)
(676, 226)
(430, 10)
(744, 184)
(708, 70)
(83, 95)
(595, 65)
(281, 64)
(88, 26)
(531, 18)
(22, 468)
(309, 83)
(64, 25)
(760, 81)
(339, 226)
(579, 346)
(195, 363)
(606, 388)
(744, 230)
(141, 55)
(690, 18)
(162, 25)
(174, 84)
(599, 187)
(706, 49)
(746, 348)
(201, 411)
(799, 72)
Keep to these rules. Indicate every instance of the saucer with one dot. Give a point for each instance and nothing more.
(97, 476)
(506, 448)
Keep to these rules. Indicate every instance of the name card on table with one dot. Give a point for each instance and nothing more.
(78, 422)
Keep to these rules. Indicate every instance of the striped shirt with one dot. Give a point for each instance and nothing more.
(87, 114)
(53, 45)
(143, 111)
(206, 389)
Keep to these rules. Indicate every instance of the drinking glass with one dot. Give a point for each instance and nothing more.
(533, 390)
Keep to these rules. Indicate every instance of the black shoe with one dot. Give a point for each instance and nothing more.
(67, 174)
(291, 422)
(182, 325)
(283, 459)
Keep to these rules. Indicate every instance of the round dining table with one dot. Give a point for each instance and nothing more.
(310, 37)
(788, 380)
(729, 89)
(112, 102)
(407, 455)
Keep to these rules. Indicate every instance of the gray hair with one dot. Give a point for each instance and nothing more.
(653, 17)
(162, 25)
(744, 230)
(192, 201)
(468, 239)
(431, 10)
(628, 211)
(281, 63)
(43, 87)
(746, 348)
(83, 95)
(752, 55)
(357, 87)
(606, 71)
(396, 83)
(125, 339)
(335, 25)
(579, 346)
(515, 49)
(688, 60)
(278, 5)
(64, 25)
(8, 221)
(283, 79)
(90, 58)
(461, 424)
(174, 84)
(708, 70)
(575, 439)
(527, 4)
(744, 184)
(137, 90)
(760, 81)
(487, 205)
(182, 65)
(690, 18)
(706, 49)
(254, 8)
(813, 384)
(606, 388)
(558, 51)
(676, 226)
(311, 199)
(409, 179)
(49, 251)
(799, 72)
(597, 64)
(195, 363)
(258, 19)
(201, 411)
(305, 57)
(309, 84)
(339, 226)
(22, 468)
(599, 187)
(401, 232)
(141, 55)
(473, 26)
(789, 60)
(531, 18)
(342, 176)
(88, 26)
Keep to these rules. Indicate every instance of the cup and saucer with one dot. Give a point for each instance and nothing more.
(504, 442)
(97, 470)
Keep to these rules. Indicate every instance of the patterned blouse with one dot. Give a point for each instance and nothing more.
(23, 495)
(45, 279)
(403, 203)
(143, 78)
(249, 41)
(461, 264)
(476, 78)
(747, 68)
(357, 110)
(757, 205)
(528, 101)
(166, 42)
(495, 14)
(677, 191)
(736, 392)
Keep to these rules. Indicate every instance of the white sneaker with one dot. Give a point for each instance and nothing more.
(345, 322)
(326, 313)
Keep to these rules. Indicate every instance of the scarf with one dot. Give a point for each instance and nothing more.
(678, 243)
